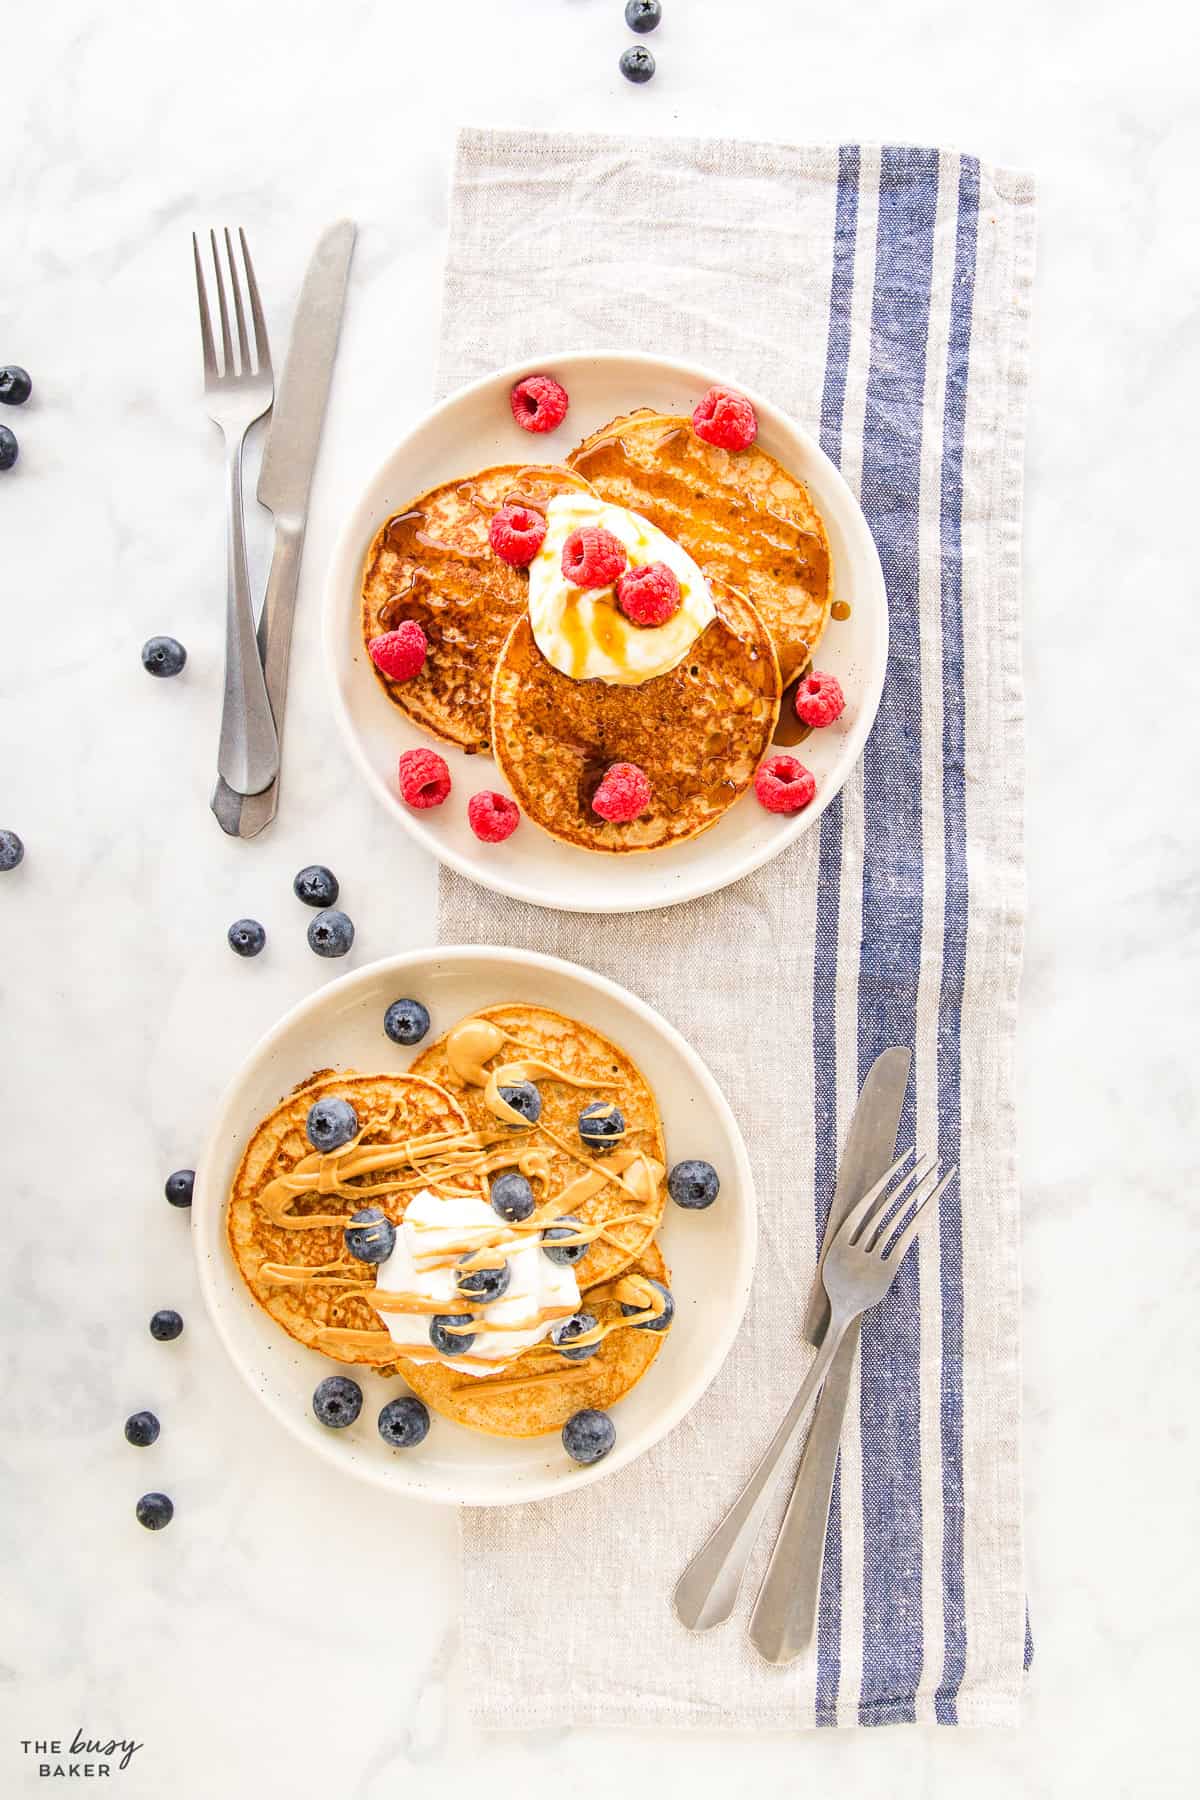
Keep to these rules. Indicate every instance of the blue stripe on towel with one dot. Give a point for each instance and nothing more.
(954, 939)
(829, 889)
(893, 1648)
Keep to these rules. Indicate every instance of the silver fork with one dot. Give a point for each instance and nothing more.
(860, 1265)
(239, 391)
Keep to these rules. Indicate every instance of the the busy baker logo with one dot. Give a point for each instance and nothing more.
(81, 1757)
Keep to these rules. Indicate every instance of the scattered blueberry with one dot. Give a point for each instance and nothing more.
(178, 1187)
(406, 1021)
(154, 1511)
(567, 1330)
(512, 1197)
(15, 385)
(246, 937)
(9, 447)
(601, 1125)
(482, 1284)
(12, 851)
(524, 1098)
(404, 1422)
(165, 1325)
(643, 15)
(664, 1318)
(588, 1436)
(370, 1235)
(337, 1401)
(330, 1124)
(637, 64)
(316, 886)
(693, 1184)
(564, 1254)
(451, 1343)
(330, 934)
(163, 656)
(141, 1429)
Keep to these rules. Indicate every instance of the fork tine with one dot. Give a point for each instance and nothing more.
(860, 1209)
(898, 1207)
(261, 342)
(226, 340)
(899, 1250)
(206, 336)
(235, 284)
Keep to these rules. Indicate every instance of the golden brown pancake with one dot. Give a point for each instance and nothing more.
(540, 1391)
(746, 521)
(698, 732)
(432, 562)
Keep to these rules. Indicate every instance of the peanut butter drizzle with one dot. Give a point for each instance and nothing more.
(476, 1041)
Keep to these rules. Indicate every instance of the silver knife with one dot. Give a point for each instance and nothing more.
(284, 482)
(784, 1616)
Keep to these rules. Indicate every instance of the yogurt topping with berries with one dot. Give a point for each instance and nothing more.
(583, 632)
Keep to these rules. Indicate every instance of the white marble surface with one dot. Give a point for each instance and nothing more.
(238, 1646)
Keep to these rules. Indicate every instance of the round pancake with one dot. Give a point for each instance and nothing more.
(432, 563)
(699, 732)
(584, 1054)
(559, 1388)
(740, 514)
(390, 1108)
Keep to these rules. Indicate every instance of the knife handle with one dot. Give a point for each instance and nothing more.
(784, 1617)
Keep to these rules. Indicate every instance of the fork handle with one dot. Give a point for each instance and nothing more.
(707, 1591)
(248, 753)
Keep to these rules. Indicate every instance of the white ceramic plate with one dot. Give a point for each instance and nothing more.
(710, 1254)
(473, 429)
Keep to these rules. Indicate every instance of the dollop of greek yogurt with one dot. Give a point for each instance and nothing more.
(434, 1225)
(582, 631)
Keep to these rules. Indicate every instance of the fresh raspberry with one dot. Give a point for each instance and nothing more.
(725, 419)
(424, 779)
(539, 403)
(493, 817)
(819, 700)
(400, 654)
(649, 595)
(784, 785)
(623, 795)
(593, 557)
(515, 534)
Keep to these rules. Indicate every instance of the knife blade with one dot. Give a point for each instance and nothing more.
(284, 485)
(784, 1616)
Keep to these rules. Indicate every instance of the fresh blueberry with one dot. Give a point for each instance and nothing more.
(482, 1284)
(178, 1187)
(12, 851)
(451, 1343)
(15, 385)
(330, 1124)
(512, 1197)
(337, 1401)
(564, 1254)
(163, 656)
(663, 1321)
(588, 1436)
(246, 937)
(566, 1331)
(330, 934)
(637, 64)
(154, 1511)
(693, 1184)
(524, 1098)
(141, 1429)
(404, 1422)
(643, 15)
(406, 1021)
(165, 1325)
(601, 1126)
(316, 886)
(370, 1235)
(9, 447)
